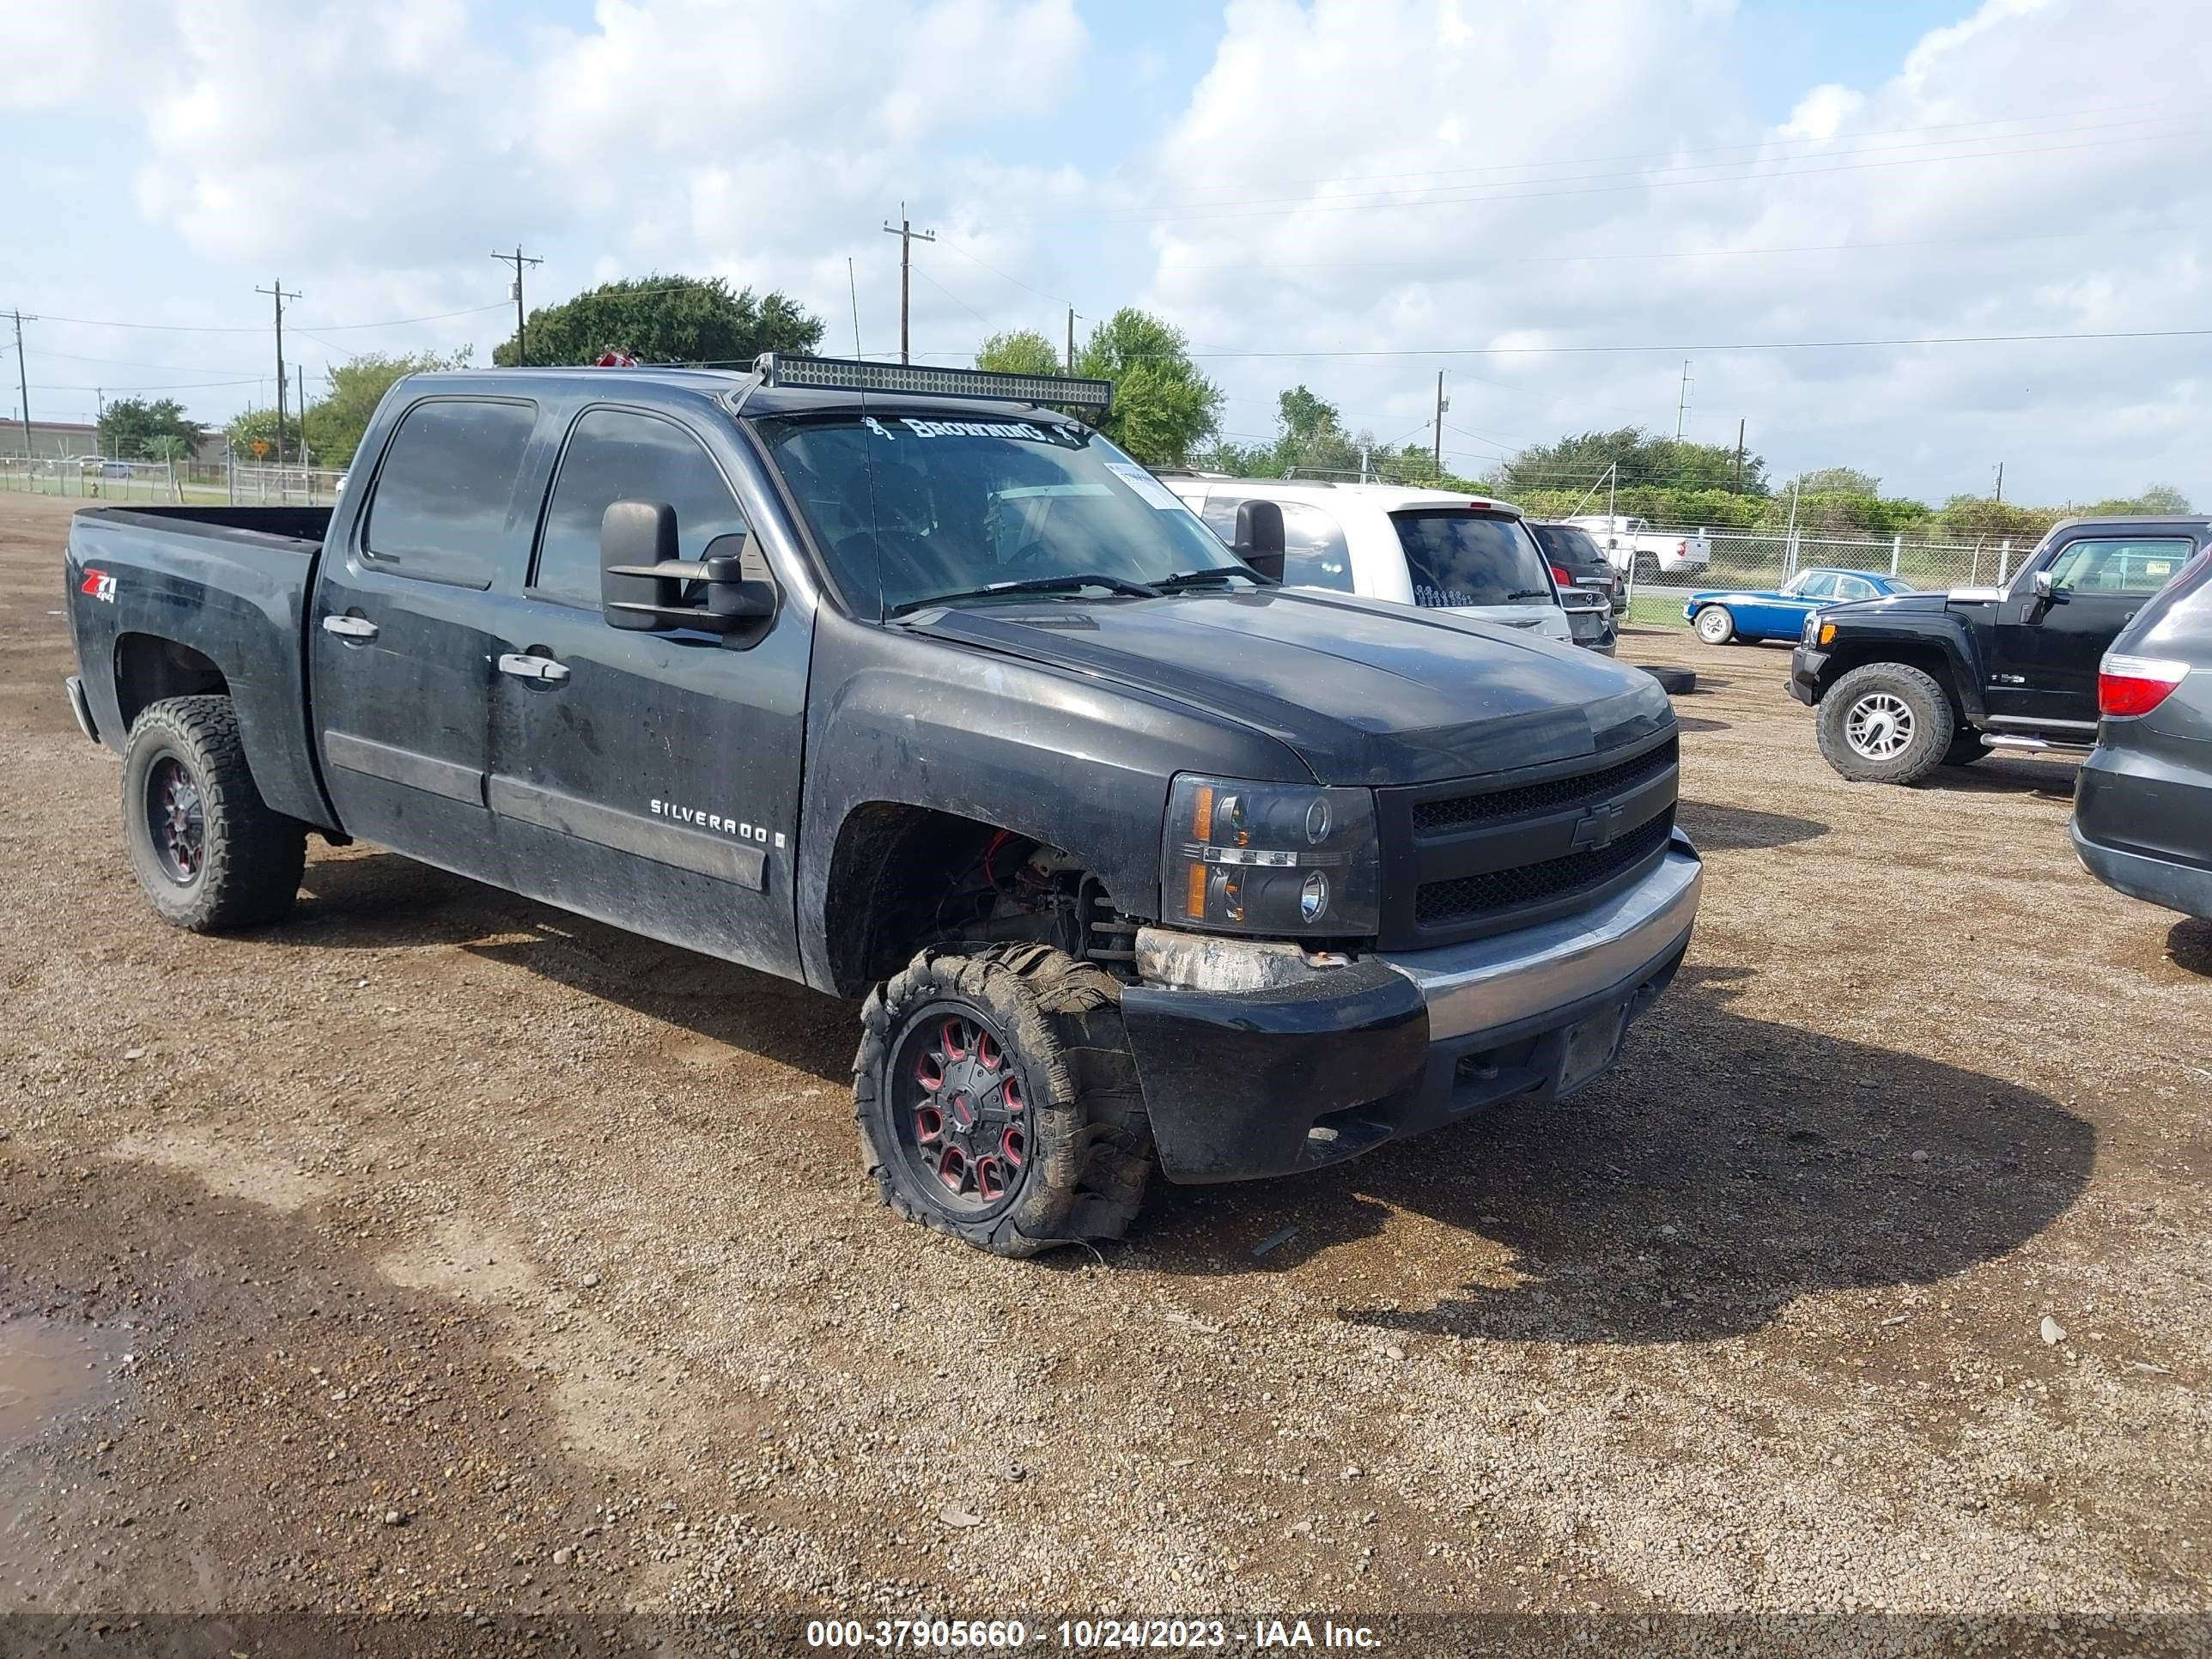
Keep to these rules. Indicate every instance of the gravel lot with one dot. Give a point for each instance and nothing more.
(439, 1251)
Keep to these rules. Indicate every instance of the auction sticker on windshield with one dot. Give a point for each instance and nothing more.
(1153, 492)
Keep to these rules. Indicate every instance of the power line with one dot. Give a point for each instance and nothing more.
(23, 381)
(906, 233)
(518, 259)
(277, 292)
(1736, 345)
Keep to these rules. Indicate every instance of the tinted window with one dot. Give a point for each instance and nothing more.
(913, 508)
(1564, 543)
(1459, 557)
(1315, 552)
(440, 509)
(2118, 567)
(615, 455)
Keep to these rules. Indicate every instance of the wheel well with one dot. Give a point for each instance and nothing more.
(894, 867)
(1929, 659)
(148, 670)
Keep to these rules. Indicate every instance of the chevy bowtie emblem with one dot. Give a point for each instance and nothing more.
(1595, 828)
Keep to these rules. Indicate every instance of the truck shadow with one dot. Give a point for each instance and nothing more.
(2002, 774)
(1715, 828)
(1730, 1167)
(380, 901)
(2189, 943)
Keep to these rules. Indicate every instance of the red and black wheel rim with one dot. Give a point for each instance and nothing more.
(961, 1106)
(176, 819)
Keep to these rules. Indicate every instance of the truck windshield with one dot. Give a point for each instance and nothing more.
(912, 508)
(1459, 557)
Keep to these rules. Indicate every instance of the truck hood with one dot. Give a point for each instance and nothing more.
(1363, 692)
(1913, 604)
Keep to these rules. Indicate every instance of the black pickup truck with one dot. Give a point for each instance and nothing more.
(903, 683)
(1916, 681)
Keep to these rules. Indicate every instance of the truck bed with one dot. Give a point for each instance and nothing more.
(165, 601)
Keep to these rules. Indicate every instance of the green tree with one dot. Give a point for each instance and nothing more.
(1163, 406)
(1643, 458)
(259, 425)
(336, 421)
(130, 427)
(2157, 498)
(1836, 481)
(1024, 351)
(667, 320)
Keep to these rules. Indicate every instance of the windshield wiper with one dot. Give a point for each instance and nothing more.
(1037, 585)
(1216, 576)
(1528, 593)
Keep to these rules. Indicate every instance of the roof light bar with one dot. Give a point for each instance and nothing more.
(850, 373)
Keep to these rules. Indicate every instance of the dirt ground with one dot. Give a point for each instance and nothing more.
(439, 1252)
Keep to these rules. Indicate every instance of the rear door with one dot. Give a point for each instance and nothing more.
(2047, 651)
(651, 780)
(400, 659)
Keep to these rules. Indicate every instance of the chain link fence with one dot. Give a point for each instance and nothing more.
(1764, 560)
(204, 483)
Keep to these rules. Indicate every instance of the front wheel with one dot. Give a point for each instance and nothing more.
(998, 1101)
(1715, 624)
(1886, 723)
(207, 851)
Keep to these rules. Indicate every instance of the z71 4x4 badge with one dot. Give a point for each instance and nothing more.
(99, 584)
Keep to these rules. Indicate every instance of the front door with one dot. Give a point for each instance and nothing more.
(651, 780)
(2046, 651)
(400, 658)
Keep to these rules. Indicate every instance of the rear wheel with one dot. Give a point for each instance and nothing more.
(208, 852)
(1715, 624)
(998, 1101)
(1886, 723)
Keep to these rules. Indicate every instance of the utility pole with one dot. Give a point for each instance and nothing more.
(1070, 339)
(1682, 403)
(518, 259)
(23, 381)
(908, 236)
(1437, 456)
(2000, 501)
(300, 369)
(1739, 455)
(278, 293)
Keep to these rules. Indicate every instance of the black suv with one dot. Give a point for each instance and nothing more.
(1914, 682)
(1577, 560)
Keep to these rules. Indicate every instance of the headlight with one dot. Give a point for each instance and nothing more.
(1270, 858)
(1810, 634)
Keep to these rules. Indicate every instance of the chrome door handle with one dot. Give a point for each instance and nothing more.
(525, 666)
(350, 627)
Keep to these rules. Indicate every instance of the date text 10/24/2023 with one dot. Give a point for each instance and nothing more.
(1091, 1635)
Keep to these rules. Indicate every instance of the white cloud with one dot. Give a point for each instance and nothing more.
(1369, 176)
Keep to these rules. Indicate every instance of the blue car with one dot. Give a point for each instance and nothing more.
(1726, 614)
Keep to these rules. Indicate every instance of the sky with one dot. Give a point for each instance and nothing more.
(1828, 211)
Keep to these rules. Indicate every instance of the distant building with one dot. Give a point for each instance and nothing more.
(50, 441)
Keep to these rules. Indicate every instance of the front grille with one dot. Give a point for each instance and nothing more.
(1470, 898)
(1436, 817)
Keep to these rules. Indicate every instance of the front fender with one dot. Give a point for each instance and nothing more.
(1074, 761)
(1863, 639)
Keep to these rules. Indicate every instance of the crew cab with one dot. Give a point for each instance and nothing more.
(1907, 683)
(905, 684)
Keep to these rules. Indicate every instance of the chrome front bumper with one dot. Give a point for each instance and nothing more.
(1500, 981)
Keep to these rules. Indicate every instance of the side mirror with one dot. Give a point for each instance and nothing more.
(2043, 587)
(1260, 537)
(644, 585)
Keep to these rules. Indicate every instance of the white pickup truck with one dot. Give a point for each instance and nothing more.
(1633, 542)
